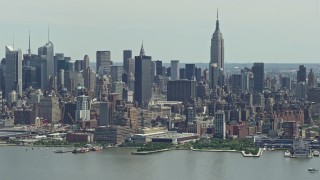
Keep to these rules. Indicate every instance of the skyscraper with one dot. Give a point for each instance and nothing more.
(82, 111)
(220, 124)
(198, 73)
(127, 61)
(302, 74)
(190, 71)
(13, 71)
(127, 54)
(258, 77)
(311, 79)
(182, 73)
(159, 67)
(217, 46)
(174, 70)
(214, 75)
(143, 78)
(216, 57)
(103, 62)
(89, 77)
(85, 62)
(46, 52)
(116, 73)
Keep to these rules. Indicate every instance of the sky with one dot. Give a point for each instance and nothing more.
(270, 31)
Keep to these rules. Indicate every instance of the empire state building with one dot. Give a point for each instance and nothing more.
(217, 47)
(216, 65)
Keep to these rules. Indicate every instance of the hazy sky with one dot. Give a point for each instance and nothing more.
(254, 30)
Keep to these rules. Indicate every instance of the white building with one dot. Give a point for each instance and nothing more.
(83, 111)
(175, 70)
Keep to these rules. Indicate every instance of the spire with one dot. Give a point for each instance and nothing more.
(142, 53)
(48, 32)
(29, 50)
(13, 41)
(217, 22)
(217, 13)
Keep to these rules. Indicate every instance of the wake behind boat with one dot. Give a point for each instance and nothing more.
(312, 170)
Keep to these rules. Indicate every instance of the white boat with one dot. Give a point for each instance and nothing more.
(287, 154)
(316, 153)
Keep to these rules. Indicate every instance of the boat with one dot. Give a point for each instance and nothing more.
(316, 153)
(287, 154)
(61, 151)
(79, 150)
(96, 148)
(313, 170)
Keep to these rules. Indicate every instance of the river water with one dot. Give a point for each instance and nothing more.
(118, 164)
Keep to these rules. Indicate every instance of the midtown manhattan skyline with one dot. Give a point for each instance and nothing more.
(267, 31)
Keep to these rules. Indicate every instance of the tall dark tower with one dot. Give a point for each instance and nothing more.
(311, 78)
(302, 74)
(143, 78)
(217, 46)
(216, 56)
(258, 77)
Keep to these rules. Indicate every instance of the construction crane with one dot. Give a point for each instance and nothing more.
(74, 122)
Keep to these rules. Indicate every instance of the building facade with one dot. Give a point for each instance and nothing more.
(143, 78)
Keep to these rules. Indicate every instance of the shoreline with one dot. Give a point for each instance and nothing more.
(214, 150)
(260, 152)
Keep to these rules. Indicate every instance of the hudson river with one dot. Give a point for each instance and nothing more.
(119, 164)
